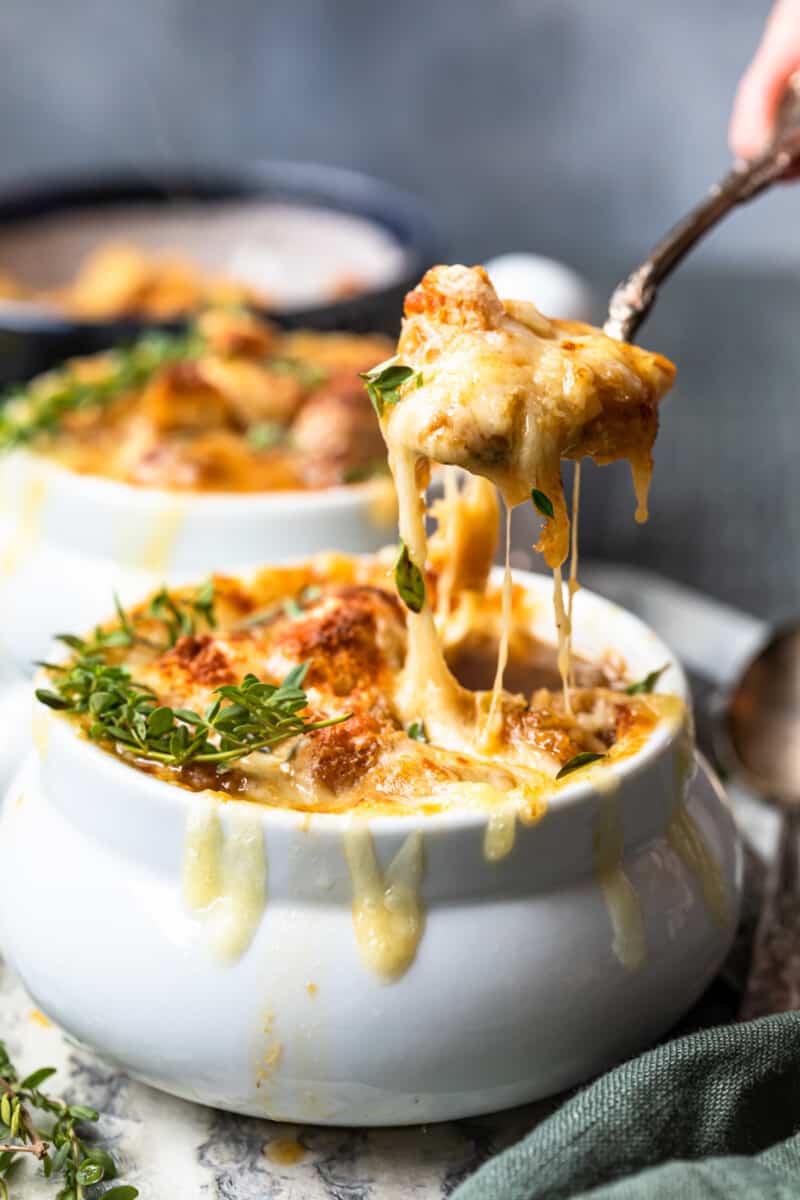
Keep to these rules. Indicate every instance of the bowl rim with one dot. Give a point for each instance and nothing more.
(400, 213)
(564, 798)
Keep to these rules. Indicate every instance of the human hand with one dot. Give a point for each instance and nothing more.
(764, 82)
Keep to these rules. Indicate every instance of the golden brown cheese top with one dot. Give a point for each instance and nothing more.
(252, 410)
(505, 392)
(341, 617)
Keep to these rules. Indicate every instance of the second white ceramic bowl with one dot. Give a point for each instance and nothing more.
(69, 541)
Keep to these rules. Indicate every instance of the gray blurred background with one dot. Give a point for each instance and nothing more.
(576, 128)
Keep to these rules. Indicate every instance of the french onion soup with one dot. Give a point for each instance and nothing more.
(330, 687)
(505, 393)
(307, 663)
(234, 405)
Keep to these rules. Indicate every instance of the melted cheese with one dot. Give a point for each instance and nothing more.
(574, 586)
(446, 512)
(489, 736)
(427, 687)
(271, 1054)
(388, 918)
(225, 876)
(164, 534)
(462, 549)
(29, 524)
(683, 833)
(622, 903)
(40, 730)
(563, 621)
(505, 393)
(382, 507)
(284, 1151)
(686, 839)
(501, 833)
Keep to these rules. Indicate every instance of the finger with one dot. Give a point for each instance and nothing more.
(761, 89)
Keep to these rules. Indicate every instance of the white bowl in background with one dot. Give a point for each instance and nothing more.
(597, 931)
(69, 541)
(555, 288)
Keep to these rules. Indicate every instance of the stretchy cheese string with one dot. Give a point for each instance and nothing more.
(573, 563)
(505, 634)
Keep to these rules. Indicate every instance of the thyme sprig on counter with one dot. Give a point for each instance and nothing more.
(74, 1165)
(38, 407)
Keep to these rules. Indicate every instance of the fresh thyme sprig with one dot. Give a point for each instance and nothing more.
(179, 617)
(177, 614)
(39, 406)
(77, 1165)
(245, 718)
(383, 382)
(291, 606)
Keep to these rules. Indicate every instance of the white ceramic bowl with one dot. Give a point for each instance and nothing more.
(595, 933)
(552, 286)
(68, 541)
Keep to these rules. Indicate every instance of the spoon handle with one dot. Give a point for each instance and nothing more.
(773, 984)
(632, 299)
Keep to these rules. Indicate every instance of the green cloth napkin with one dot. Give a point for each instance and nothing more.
(711, 1116)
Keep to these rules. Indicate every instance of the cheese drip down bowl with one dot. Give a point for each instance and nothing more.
(349, 969)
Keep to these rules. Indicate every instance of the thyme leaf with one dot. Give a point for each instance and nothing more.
(409, 580)
(266, 435)
(542, 503)
(125, 713)
(309, 374)
(646, 685)
(383, 383)
(417, 731)
(580, 760)
(178, 616)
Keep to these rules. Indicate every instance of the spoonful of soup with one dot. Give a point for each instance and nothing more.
(507, 393)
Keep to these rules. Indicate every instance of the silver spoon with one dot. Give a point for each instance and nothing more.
(632, 299)
(760, 728)
(762, 717)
